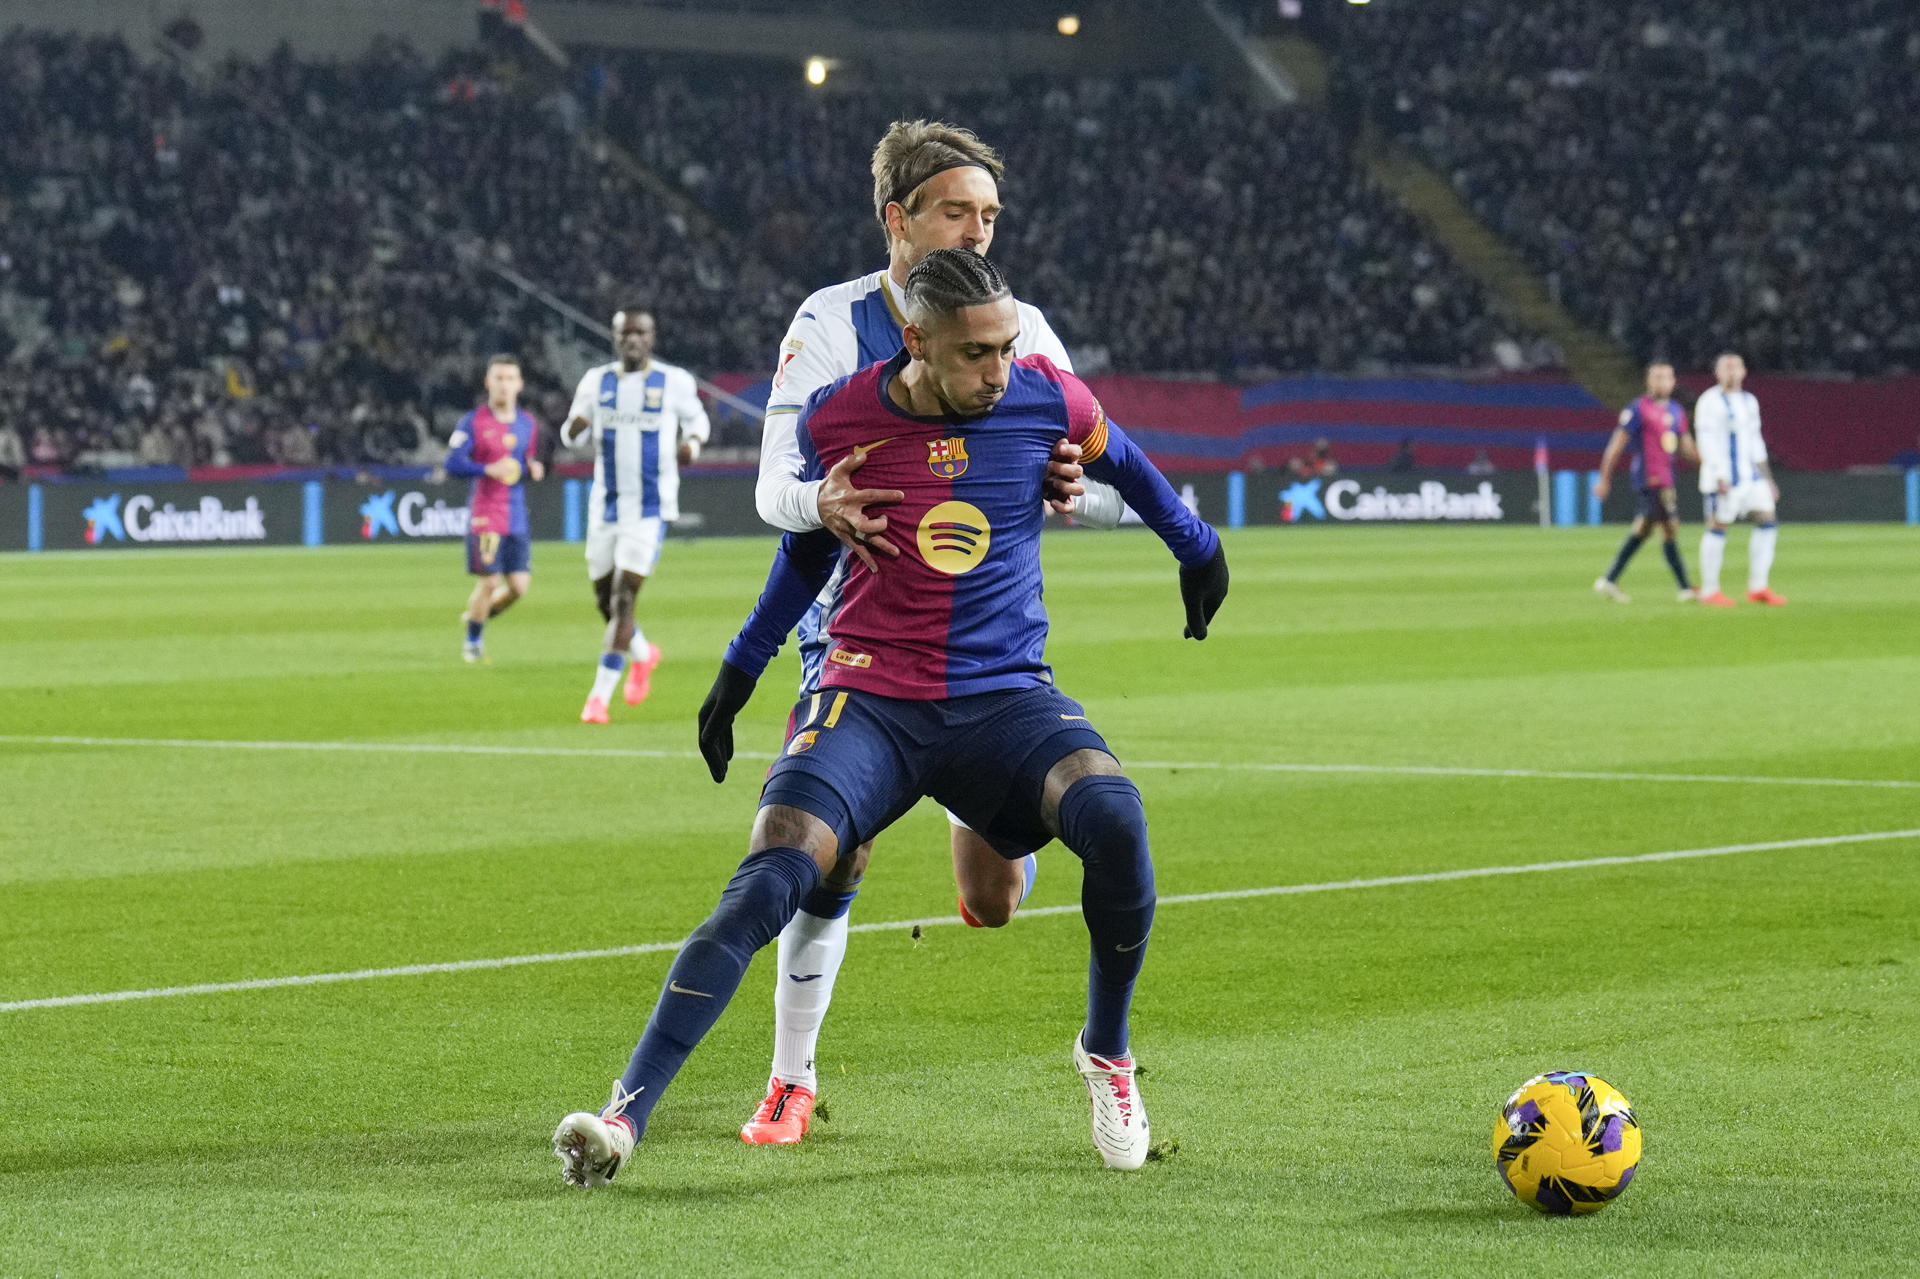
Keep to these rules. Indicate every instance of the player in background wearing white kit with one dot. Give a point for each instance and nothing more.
(1735, 482)
(935, 186)
(645, 421)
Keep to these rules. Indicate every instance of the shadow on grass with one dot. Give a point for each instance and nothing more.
(1459, 1214)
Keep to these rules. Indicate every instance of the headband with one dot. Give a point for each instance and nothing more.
(899, 196)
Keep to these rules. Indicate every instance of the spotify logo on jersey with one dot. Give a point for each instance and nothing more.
(954, 537)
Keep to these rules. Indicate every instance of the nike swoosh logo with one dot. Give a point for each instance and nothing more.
(1136, 946)
(808, 977)
(678, 989)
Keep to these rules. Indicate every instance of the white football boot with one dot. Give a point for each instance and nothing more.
(1120, 1131)
(594, 1148)
(1608, 590)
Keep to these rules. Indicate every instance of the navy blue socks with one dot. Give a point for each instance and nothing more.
(1103, 821)
(1678, 565)
(757, 903)
(1628, 549)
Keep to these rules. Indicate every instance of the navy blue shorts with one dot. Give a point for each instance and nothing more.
(1657, 504)
(858, 761)
(490, 553)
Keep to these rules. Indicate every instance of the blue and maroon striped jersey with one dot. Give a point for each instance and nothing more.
(1654, 428)
(959, 611)
(481, 438)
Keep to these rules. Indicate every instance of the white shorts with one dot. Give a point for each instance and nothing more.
(1742, 501)
(632, 546)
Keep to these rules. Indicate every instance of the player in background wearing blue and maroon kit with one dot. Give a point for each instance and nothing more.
(935, 684)
(493, 445)
(1653, 429)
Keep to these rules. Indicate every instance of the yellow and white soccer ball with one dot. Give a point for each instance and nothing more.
(1567, 1143)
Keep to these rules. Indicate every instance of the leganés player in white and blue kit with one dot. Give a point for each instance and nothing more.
(644, 420)
(1736, 483)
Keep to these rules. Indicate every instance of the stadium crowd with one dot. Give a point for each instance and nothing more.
(284, 263)
(298, 263)
(1161, 227)
(1691, 176)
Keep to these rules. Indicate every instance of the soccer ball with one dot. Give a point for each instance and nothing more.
(1566, 1142)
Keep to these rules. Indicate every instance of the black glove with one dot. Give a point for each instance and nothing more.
(1202, 588)
(732, 689)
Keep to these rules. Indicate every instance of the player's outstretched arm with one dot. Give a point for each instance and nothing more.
(1203, 564)
(801, 567)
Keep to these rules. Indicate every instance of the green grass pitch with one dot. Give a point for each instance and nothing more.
(1329, 1063)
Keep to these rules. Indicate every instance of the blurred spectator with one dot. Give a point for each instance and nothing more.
(1403, 456)
(13, 455)
(1317, 465)
(1481, 464)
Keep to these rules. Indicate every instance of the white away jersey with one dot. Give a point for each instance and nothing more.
(839, 331)
(1726, 426)
(636, 422)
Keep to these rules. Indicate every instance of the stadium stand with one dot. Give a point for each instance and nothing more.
(1690, 176)
(1163, 228)
(289, 262)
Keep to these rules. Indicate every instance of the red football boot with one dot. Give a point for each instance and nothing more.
(1717, 600)
(1766, 595)
(782, 1118)
(640, 676)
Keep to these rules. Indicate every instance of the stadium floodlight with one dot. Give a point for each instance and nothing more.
(1068, 25)
(816, 70)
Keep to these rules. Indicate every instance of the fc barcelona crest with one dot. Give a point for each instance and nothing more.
(948, 458)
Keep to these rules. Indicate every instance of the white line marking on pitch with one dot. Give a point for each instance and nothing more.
(1231, 894)
(613, 752)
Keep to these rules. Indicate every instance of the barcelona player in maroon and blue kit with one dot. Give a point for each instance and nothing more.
(1652, 430)
(494, 445)
(935, 684)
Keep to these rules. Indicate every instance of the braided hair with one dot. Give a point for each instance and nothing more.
(946, 280)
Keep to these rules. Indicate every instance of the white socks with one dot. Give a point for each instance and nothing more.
(638, 649)
(1713, 550)
(606, 677)
(1760, 555)
(811, 949)
(1713, 553)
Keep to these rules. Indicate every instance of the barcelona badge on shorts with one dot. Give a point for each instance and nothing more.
(948, 458)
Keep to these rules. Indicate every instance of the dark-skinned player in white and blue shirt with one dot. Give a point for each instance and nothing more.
(936, 685)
